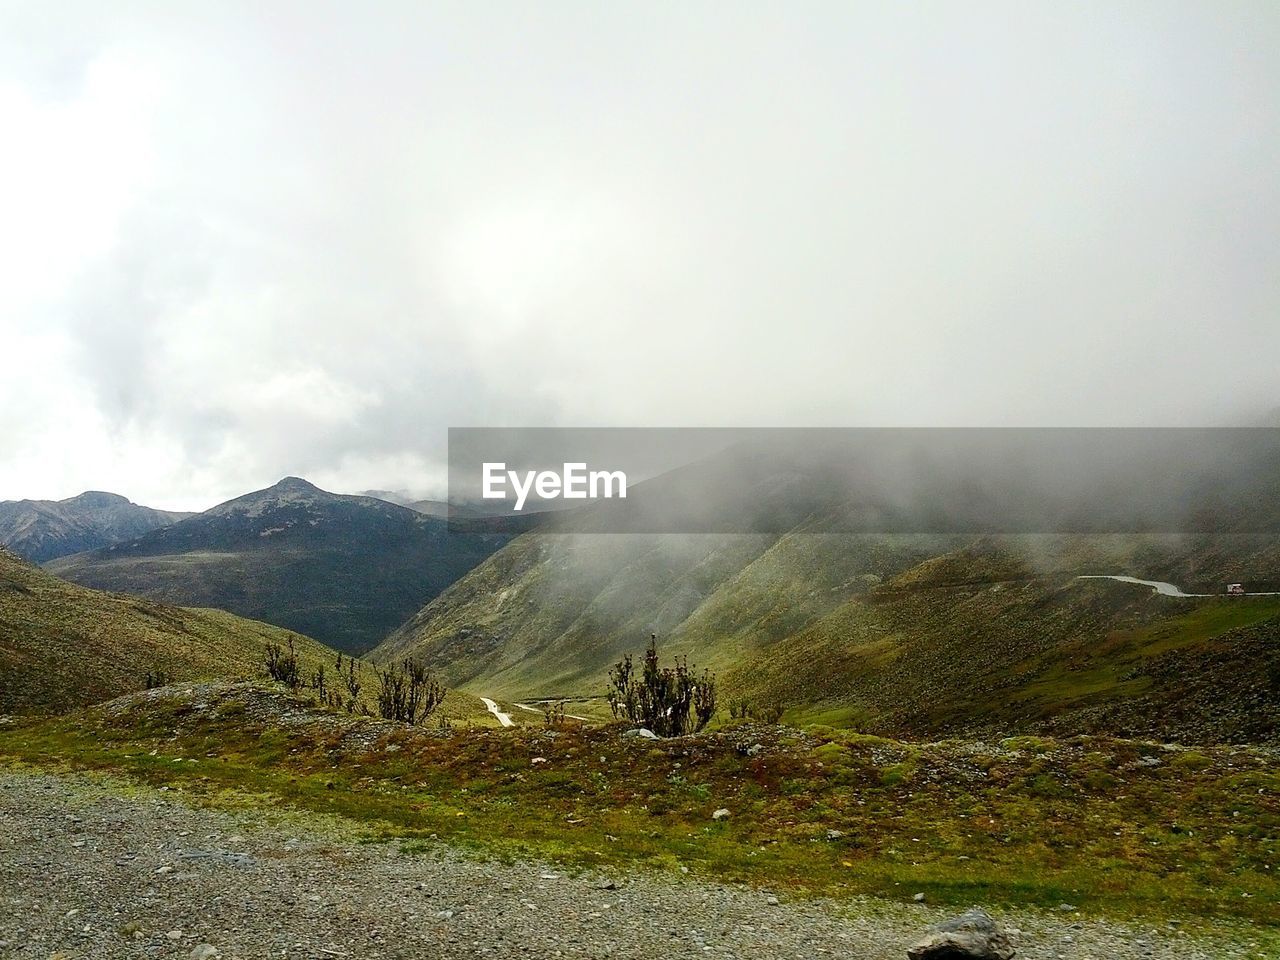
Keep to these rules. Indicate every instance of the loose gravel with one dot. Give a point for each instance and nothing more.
(92, 867)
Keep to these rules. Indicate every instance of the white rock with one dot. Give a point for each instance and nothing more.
(721, 814)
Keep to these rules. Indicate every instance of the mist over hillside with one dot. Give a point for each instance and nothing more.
(935, 592)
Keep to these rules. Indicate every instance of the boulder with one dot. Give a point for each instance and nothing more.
(643, 733)
(971, 936)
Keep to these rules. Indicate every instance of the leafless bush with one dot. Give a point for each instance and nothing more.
(408, 692)
(282, 664)
(661, 698)
(767, 712)
(553, 713)
(318, 684)
(351, 680)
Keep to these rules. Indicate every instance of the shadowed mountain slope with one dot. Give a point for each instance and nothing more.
(346, 570)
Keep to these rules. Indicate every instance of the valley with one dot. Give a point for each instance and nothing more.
(904, 725)
(899, 636)
(342, 569)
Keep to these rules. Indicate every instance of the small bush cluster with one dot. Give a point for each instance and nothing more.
(282, 665)
(158, 678)
(338, 691)
(553, 713)
(770, 712)
(670, 701)
(349, 677)
(408, 692)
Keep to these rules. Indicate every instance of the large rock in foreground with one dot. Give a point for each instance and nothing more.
(971, 936)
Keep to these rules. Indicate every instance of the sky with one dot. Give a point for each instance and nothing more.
(241, 241)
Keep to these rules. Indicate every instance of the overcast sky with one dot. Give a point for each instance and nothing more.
(239, 241)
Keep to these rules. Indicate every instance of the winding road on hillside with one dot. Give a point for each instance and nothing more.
(1169, 589)
(571, 716)
(503, 718)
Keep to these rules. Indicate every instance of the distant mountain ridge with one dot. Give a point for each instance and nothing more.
(43, 530)
(343, 569)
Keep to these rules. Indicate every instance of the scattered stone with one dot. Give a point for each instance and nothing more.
(1067, 907)
(643, 733)
(205, 951)
(971, 936)
(445, 915)
(607, 885)
(918, 898)
(834, 834)
(771, 900)
(174, 935)
(163, 870)
(721, 814)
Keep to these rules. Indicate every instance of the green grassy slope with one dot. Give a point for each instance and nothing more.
(549, 613)
(901, 634)
(62, 645)
(1016, 649)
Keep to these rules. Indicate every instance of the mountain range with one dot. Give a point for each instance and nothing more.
(42, 530)
(343, 569)
(869, 604)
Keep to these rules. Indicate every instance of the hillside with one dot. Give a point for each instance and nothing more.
(345, 570)
(895, 634)
(63, 645)
(980, 641)
(42, 530)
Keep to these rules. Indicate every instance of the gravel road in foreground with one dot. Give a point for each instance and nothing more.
(95, 868)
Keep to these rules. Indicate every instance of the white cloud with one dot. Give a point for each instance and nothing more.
(242, 242)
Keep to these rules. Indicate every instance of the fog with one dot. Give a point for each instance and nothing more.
(245, 241)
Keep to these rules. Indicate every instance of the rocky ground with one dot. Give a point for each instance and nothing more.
(97, 868)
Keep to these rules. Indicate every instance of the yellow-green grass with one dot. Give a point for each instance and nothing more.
(63, 646)
(1113, 826)
(1106, 669)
